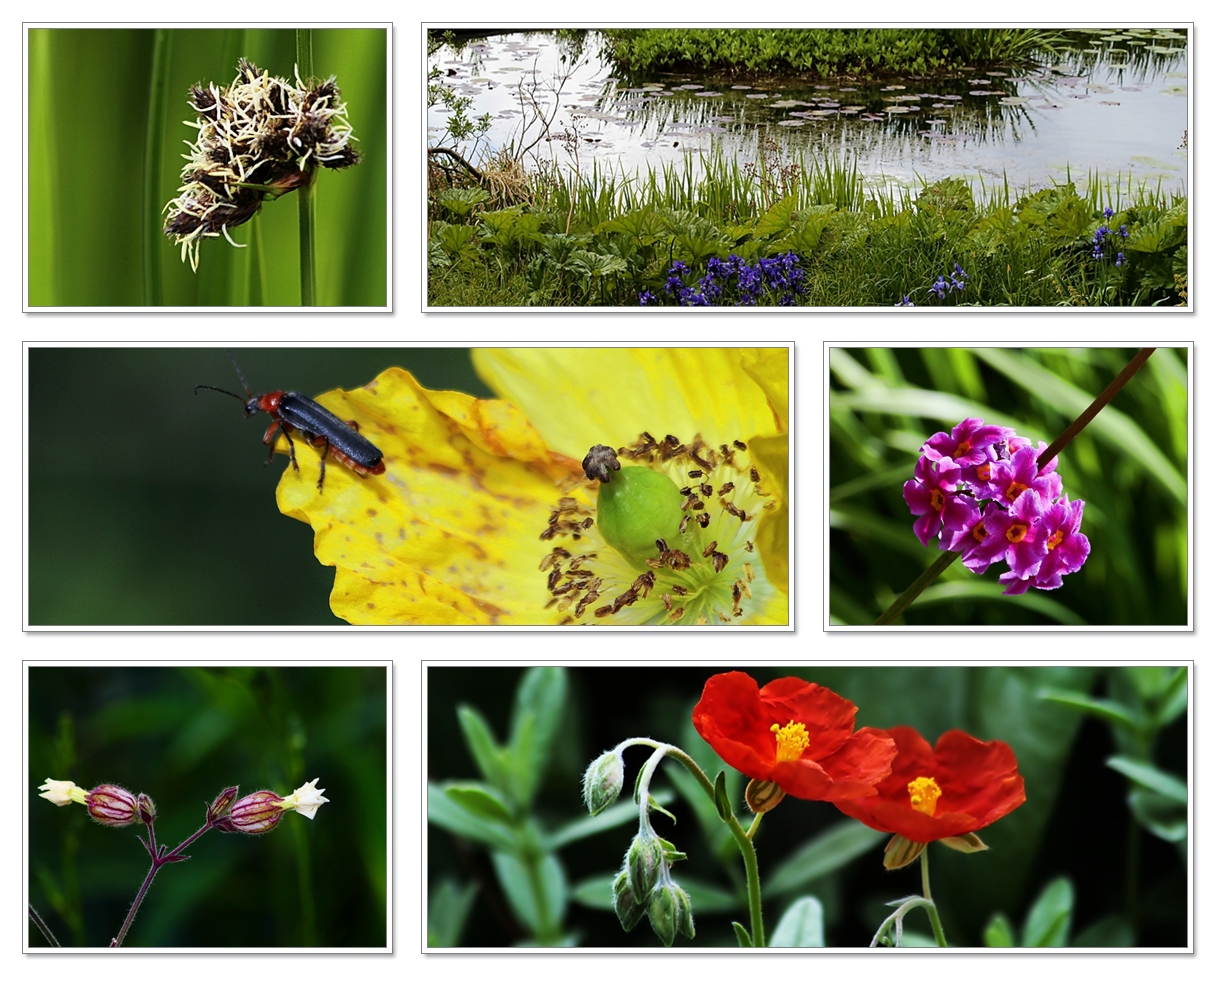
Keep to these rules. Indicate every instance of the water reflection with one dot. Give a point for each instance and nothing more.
(1114, 105)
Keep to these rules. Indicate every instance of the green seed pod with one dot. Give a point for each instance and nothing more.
(637, 507)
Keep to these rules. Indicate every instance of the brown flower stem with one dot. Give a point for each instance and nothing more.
(943, 562)
(158, 861)
(43, 927)
(1091, 411)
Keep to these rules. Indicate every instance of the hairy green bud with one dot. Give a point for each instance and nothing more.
(603, 782)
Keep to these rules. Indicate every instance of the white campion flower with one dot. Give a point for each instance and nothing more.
(306, 799)
(62, 792)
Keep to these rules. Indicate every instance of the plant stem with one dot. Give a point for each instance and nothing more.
(934, 920)
(154, 241)
(741, 837)
(1093, 410)
(943, 562)
(43, 927)
(158, 862)
(305, 199)
(940, 565)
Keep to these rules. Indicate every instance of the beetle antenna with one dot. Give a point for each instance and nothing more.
(245, 384)
(215, 389)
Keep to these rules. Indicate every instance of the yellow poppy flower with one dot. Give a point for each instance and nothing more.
(485, 516)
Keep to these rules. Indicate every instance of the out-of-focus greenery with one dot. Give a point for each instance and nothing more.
(1077, 864)
(149, 505)
(106, 137)
(182, 736)
(1129, 465)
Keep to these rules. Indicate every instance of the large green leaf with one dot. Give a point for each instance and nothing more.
(488, 756)
(449, 905)
(1048, 921)
(452, 816)
(801, 926)
(537, 713)
(541, 911)
(1150, 777)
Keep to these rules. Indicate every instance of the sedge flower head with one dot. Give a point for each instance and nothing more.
(259, 137)
(951, 790)
(794, 734)
(485, 514)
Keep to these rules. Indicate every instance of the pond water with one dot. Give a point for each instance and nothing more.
(1117, 105)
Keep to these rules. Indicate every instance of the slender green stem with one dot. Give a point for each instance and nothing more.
(742, 838)
(943, 562)
(305, 199)
(154, 134)
(751, 865)
(940, 565)
(932, 910)
(43, 927)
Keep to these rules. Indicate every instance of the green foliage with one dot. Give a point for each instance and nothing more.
(857, 250)
(1145, 701)
(1129, 465)
(819, 51)
(497, 814)
(801, 926)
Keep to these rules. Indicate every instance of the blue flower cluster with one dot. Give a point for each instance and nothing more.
(958, 281)
(1101, 236)
(733, 282)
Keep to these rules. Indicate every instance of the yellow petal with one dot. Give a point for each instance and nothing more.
(770, 454)
(769, 367)
(450, 533)
(579, 397)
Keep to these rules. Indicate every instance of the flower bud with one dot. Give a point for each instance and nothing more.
(670, 912)
(256, 813)
(644, 861)
(603, 782)
(627, 908)
(146, 808)
(110, 804)
(221, 803)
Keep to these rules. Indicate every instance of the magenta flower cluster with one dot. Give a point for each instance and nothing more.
(978, 490)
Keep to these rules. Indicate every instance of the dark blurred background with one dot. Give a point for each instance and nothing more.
(1131, 472)
(149, 505)
(1076, 822)
(182, 735)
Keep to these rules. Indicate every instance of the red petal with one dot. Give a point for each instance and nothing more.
(731, 718)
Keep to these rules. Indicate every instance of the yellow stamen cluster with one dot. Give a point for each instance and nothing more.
(791, 740)
(924, 793)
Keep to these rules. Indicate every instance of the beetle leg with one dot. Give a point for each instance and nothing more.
(292, 448)
(322, 463)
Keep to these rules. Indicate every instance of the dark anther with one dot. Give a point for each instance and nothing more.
(599, 463)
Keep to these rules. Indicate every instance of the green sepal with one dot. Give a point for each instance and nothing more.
(744, 939)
